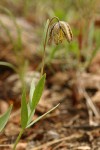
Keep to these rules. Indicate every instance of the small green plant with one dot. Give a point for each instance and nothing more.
(57, 32)
(28, 109)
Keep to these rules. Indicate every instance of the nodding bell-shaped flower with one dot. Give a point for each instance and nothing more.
(60, 31)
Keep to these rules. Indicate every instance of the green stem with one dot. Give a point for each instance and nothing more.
(45, 43)
(18, 138)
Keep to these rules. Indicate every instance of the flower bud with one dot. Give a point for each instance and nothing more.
(60, 31)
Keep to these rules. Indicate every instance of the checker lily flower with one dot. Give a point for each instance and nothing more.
(59, 32)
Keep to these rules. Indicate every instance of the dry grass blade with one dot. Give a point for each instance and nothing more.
(57, 141)
(91, 104)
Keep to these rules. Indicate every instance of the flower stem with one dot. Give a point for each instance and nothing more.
(18, 138)
(45, 43)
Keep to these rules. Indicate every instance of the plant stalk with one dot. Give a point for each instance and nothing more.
(18, 138)
(45, 43)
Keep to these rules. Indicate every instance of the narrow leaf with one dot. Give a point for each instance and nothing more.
(24, 110)
(4, 118)
(38, 92)
(30, 117)
(32, 88)
(45, 29)
(30, 113)
(2, 63)
(39, 118)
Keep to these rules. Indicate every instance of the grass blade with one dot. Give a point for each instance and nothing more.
(39, 118)
(2, 63)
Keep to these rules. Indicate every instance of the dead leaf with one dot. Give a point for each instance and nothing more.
(12, 129)
(60, 78)
(3, 106)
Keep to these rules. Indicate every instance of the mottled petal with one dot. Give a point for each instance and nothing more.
(67, 30)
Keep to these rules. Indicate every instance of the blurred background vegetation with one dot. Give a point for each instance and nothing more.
(83, 17)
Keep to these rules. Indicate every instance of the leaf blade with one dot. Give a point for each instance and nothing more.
(38, 92)
(4, 118)
(24, 110)
(32, 89)
(30, 113)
